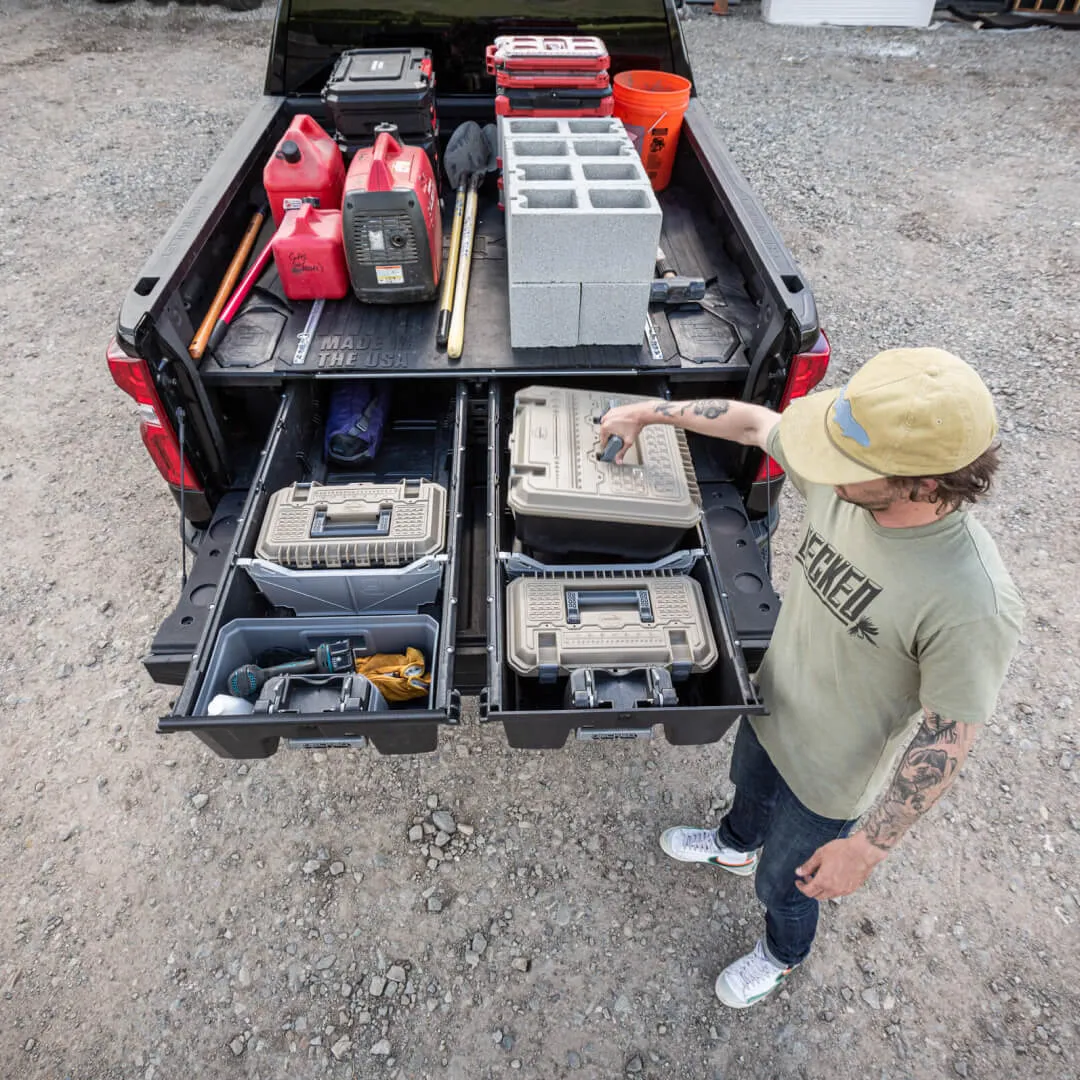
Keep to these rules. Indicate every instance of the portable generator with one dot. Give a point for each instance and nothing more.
(391, 222)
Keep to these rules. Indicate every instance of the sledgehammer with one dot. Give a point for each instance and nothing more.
(670, 287)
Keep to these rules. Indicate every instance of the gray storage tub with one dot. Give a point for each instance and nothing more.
(343, 549)
(242, 640)
(390, 590)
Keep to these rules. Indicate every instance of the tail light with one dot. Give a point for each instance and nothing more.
(806, 371)
(132, 375)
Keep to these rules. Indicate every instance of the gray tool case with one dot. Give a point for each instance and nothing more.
(565, 499)
(557, 624)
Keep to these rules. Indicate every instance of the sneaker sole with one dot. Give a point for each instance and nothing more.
(741, 870)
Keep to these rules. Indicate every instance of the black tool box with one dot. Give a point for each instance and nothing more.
(369, 87)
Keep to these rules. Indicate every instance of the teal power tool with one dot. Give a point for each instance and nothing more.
(615, 442)
(328, 659)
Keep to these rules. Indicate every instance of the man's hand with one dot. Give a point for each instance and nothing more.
(626, 421)
(838, 868)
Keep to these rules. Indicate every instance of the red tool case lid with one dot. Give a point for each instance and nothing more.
(547, 52)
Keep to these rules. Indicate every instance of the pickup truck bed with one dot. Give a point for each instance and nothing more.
(353, 337)
(252, 423)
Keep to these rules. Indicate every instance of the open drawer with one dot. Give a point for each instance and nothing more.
(267, 615)
(692, 680)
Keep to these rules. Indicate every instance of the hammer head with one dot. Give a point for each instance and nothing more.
(676, 290)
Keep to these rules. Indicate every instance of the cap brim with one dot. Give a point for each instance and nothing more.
(809, 450)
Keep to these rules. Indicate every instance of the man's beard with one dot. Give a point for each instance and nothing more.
(875, 503)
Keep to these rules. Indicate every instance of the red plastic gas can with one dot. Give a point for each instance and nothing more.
(306, 164)
(309, 255)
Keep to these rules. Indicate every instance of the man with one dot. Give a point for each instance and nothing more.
(899, 618)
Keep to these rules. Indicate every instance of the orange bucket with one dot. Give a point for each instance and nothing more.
(651, 105)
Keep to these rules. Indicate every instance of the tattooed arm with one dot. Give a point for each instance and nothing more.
(926, 771)
(724, 419)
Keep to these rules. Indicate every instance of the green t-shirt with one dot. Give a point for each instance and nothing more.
(876, 625)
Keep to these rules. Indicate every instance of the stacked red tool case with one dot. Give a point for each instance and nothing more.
(557, 75)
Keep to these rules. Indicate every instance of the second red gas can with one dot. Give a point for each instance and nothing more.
(309, 255)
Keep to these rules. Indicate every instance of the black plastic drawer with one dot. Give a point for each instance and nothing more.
(424, 440)
(536, 714)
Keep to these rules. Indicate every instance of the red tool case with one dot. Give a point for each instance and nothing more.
(550, 75)
(548, 80)
(555, 103)
(547, 53)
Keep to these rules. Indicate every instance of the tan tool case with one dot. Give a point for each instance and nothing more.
(317, 526)
(556, 624)
(565, 499)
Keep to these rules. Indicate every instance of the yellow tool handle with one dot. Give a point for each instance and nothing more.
(456, 340)
(442, 330)
(198, 342)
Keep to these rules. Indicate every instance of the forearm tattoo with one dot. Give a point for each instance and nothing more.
(710, 409)
(926, 770)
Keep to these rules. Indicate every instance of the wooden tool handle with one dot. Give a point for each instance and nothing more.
(456, 341)
(442, 328)
(228, 312)
(199, 341)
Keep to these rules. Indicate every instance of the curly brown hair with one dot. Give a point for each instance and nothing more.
(966, 485)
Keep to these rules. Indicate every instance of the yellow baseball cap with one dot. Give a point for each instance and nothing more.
(906, 412)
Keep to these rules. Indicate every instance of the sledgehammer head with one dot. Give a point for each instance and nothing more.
(676, 290)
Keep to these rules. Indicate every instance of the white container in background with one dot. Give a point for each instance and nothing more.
(848, 12)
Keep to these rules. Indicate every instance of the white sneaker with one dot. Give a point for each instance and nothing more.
(699, 845)
(750, 978)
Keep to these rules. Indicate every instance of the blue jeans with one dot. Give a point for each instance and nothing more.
(766, 815)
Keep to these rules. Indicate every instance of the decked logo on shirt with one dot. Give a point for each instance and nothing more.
(839, 584)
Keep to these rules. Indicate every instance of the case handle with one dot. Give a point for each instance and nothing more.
(576, 599)
(321, 528)
(615, 442)
(611, 448)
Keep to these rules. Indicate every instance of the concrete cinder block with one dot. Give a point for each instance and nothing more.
(613, 313)
(582, 232)
(579, 205)
(544, 315)
(544, 127)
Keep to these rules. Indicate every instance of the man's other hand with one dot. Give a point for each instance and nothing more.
(838, 868)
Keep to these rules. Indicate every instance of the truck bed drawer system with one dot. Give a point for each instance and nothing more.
(628, 644)
(487, 547)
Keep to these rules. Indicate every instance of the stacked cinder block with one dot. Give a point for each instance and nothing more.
(582, 229)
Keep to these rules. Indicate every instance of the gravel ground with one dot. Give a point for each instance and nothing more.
(469, 914)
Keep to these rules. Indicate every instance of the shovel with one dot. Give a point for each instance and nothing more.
(466, 154)
(456, 339)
